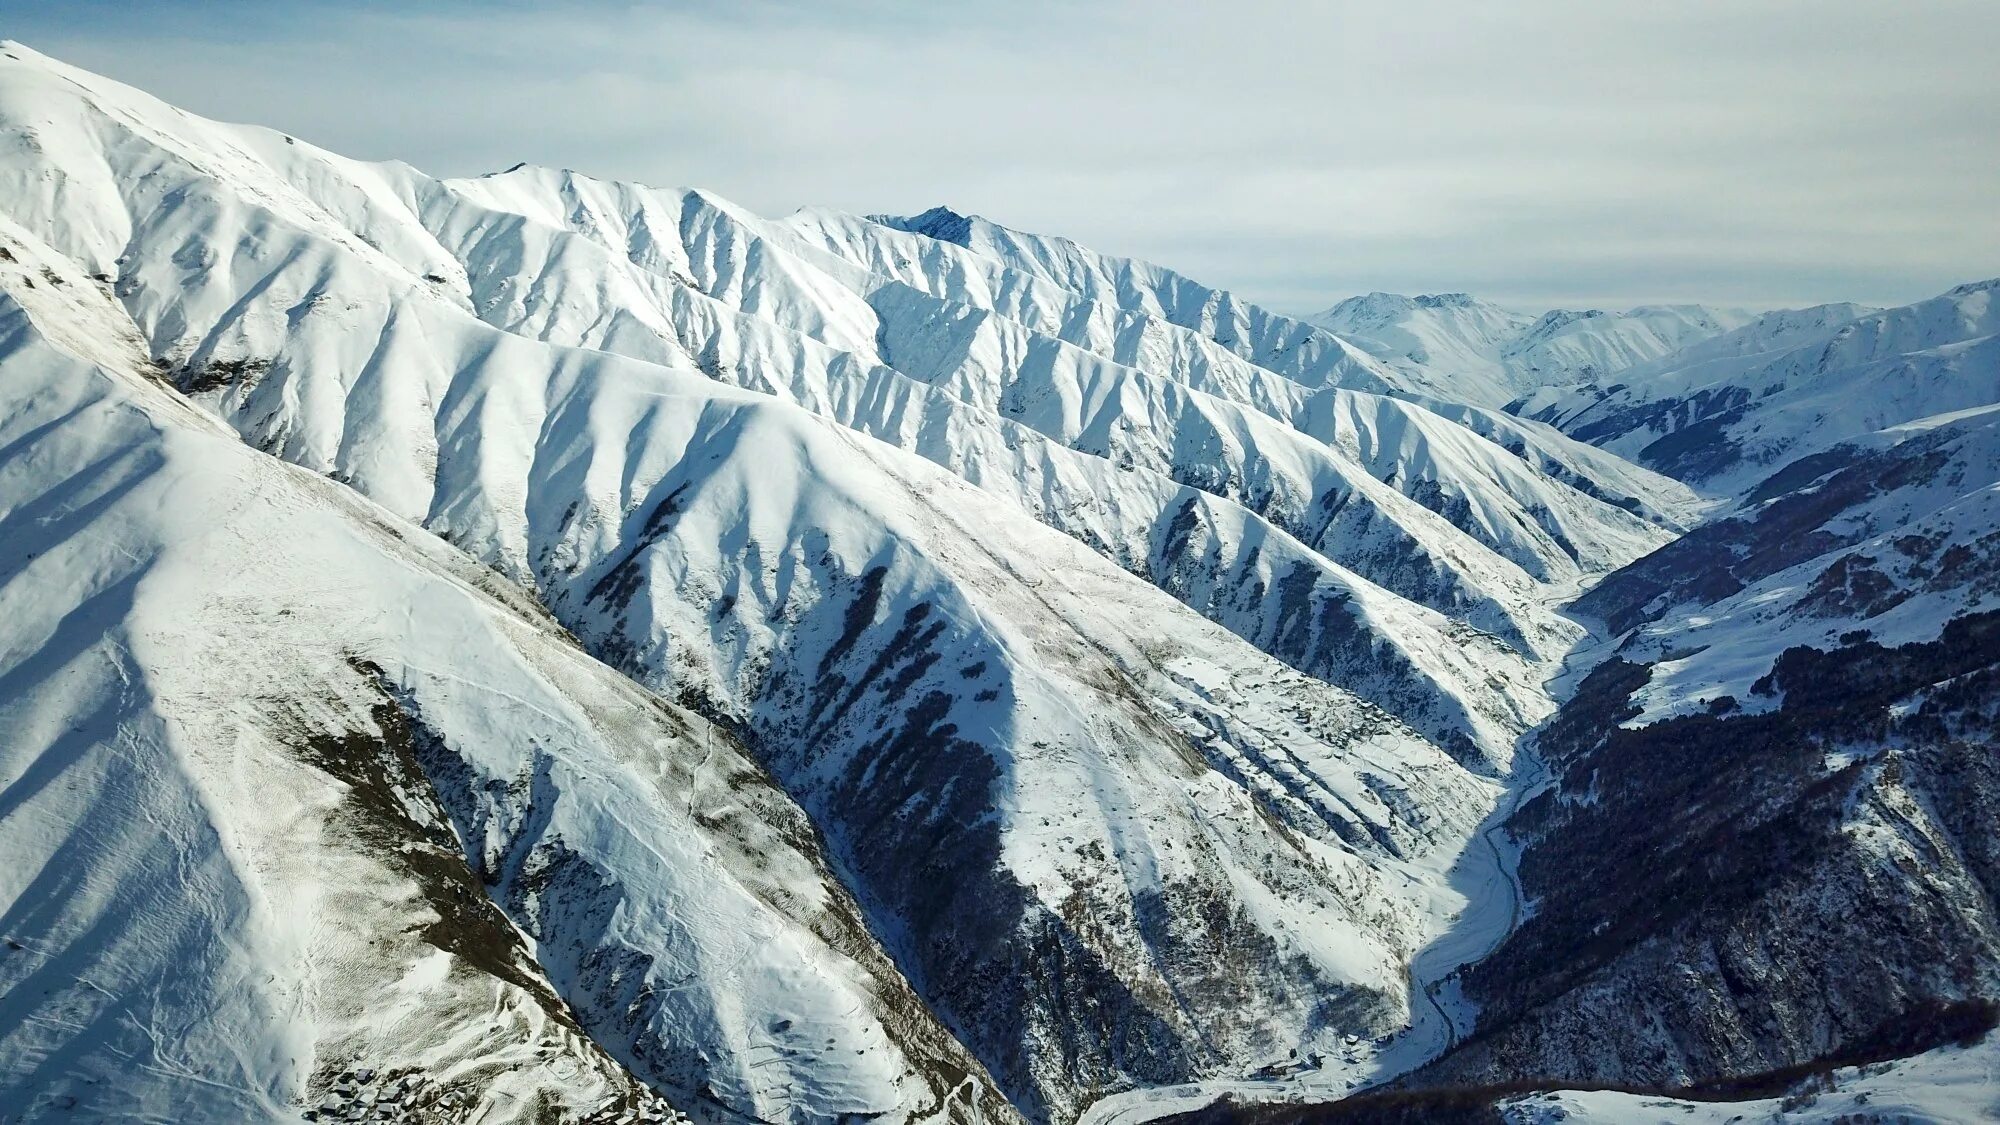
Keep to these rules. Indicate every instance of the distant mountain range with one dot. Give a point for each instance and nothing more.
(1459, 347)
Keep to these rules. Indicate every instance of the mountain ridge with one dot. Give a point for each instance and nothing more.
(1456, 346)
(835, 601)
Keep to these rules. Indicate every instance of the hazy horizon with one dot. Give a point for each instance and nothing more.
(1553, 154)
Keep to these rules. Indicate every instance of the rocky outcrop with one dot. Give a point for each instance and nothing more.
(1726, 894)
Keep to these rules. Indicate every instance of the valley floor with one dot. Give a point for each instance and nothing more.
(1488, 904)
(1484, 876)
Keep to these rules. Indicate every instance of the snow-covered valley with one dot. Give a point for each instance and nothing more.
(539, 648)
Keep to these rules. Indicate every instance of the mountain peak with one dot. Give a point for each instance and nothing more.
(940, 222)
(1377, 303)
(1447, 300)
(1388, 304)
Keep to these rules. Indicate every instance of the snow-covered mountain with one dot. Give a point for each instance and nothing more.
(1809, 683)
(1890, 535)
(1459, 348)
(1056, 789)
(307, 808)
(1759, 865)
(1762, 849)
(816, 668)
(1724, 414)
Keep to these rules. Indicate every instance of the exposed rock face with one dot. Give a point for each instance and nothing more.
(1727, 894)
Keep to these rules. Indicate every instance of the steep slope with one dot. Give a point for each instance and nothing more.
(1137, 334)
(305, 809)
(1658, 499)
(1725, 414)
(1808, 684)
(1108, 841)
(1449, 343)
(1456, 347)
(1568, 346)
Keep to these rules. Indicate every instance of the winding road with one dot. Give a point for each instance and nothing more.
(1462, 944)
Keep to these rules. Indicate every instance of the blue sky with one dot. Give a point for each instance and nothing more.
(1537, 152)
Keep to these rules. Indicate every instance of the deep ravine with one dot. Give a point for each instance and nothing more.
(1486, 873)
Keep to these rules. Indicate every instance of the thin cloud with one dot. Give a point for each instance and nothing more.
(1541, 152)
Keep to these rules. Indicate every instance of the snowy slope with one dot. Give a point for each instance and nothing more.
(1724, 415)
(1136, 459)
(1452, 341)
(1456, 347)
(270, 754)
(1059, 793)
(1567, 345)
(1891, 535)
(1948, 1086)
(1658, 499)
(1433, 328)
(1769, 332)
(1538, 522)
